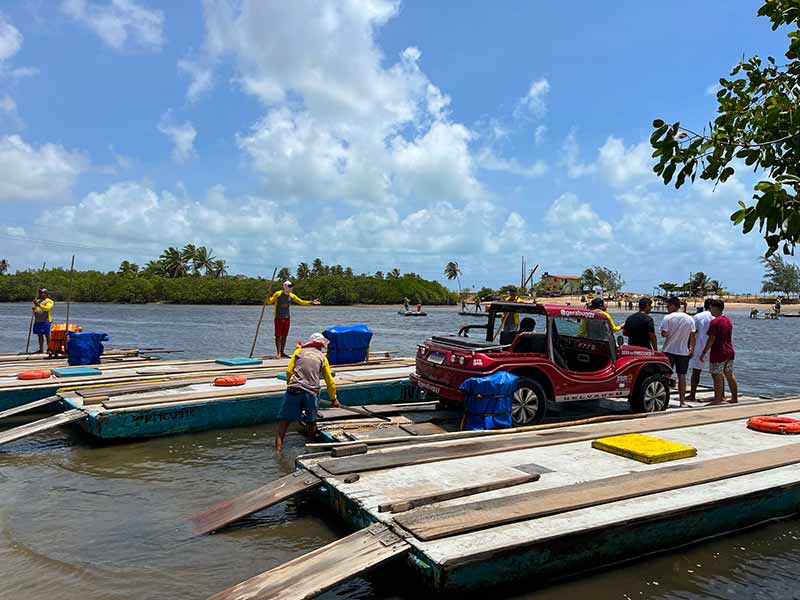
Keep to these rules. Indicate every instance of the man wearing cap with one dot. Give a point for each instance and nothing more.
(42, 317)
(282, 300)
(301, 400)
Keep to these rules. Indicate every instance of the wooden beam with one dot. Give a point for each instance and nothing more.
(29, 406)
(51, 422)
(396, 506)
(229, 511)
(425, 453)
(437, 522)
(322, 569)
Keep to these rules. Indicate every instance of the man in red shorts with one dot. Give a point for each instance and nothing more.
(282, 300)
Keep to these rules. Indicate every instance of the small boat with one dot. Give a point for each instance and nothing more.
(412, 313)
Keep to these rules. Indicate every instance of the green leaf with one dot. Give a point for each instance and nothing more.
(658, 123)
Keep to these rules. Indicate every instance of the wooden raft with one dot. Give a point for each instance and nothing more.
(322, 569)
(439, 522)
(439, 451)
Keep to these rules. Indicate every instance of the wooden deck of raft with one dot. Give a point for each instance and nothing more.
(444, 497)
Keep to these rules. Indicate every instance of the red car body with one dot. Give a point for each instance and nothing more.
(573, 357)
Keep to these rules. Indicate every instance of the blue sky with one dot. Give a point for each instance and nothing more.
(369, 133)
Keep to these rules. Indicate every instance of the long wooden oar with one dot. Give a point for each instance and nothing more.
(30, 325)
(263, 308)
(69, 301)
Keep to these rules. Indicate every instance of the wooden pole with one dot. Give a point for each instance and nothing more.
(69, 300)
(30, 325)
(263, 308)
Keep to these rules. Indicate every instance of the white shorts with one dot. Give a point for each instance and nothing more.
(695, 364)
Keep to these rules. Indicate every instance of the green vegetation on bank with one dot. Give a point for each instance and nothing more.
(175, 280)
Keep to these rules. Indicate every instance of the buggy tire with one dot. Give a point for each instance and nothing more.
(650, 395)
(528, 404)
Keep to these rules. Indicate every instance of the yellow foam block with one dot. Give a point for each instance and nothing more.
(644, 448)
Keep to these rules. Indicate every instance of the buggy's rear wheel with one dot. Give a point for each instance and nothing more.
(529, 403)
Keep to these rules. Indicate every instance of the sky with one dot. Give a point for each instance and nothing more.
(370, 133)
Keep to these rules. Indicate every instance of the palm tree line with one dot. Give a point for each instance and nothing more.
(180, 262)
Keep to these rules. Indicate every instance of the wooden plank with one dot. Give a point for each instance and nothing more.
(132, 387)
(371, 434)
(349, 450)
(29, 406)
(215, 394)
(51, 422)
(322, 569)
(410, 503)
(422, 428)
(435, 523)
(332, 414)
(229, 511)
(394, 409)
(438, 451)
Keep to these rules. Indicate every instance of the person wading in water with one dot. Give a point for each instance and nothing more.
(301, 400)
(282, 300)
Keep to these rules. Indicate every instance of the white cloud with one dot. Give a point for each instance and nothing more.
(538, 134)
(534, 102)
(578, 218)
(10, 39)
(487, 159)
(570, 158)
(202, 78)
(8, 112)
(119, 23)
(712, 89)
(182, 136)
(47, 172)
(623, 166)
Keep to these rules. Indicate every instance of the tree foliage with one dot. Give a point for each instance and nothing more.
(453, 271)
(780, 276)
(607, 279)
(758, 123)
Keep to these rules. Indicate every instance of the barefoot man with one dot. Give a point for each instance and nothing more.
(301, 400)
(720, 348)
(282, 300)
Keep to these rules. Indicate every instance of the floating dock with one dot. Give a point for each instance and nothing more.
(170, 406)
(469, 510)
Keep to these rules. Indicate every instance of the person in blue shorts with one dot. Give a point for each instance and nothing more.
(42, 317)
(301, 400)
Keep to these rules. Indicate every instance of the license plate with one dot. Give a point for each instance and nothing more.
(436, 358)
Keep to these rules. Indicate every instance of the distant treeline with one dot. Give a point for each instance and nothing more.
(141, 287)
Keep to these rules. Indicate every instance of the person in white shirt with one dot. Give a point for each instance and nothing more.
(678, 331)
(701, 322)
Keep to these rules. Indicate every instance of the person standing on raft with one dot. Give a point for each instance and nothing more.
(282, 300)
(301, 400)
(42, 317)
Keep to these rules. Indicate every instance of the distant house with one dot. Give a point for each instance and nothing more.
(565, 284)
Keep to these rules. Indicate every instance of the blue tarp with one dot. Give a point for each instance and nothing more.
(85, 348)
(348, 344)
(487, 400)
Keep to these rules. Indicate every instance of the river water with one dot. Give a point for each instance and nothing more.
(103, 523)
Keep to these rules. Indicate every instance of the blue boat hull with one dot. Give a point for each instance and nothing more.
(222, 414)
(17, 398)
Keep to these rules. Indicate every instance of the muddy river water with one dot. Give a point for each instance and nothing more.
(81, 522)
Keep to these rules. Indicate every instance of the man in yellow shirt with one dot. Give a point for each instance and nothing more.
(511, 320)
(301, 400)
(598, 305)
(282, 300)
(42, 317)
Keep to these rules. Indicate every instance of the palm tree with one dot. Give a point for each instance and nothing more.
(218, 268)
(588, 279)
(203, 259)
(3, 266)
(394, 273)
(452, 271)
(153, 267)
(714, 286)
(174, 262)
(317, 267)
(699, 284)
(128, 268)
(189, 254)
(303, 271)
(284, 274)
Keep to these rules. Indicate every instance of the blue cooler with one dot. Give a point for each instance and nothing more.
(85, 348)
(348, 344)
(487, 401)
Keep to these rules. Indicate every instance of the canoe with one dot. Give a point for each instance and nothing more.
(412, 313)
